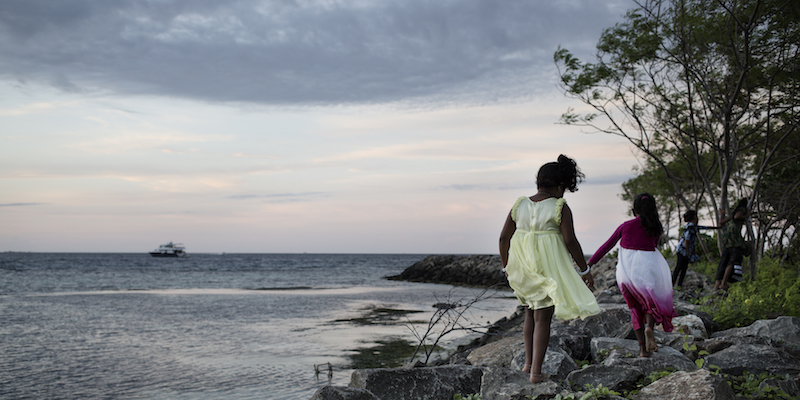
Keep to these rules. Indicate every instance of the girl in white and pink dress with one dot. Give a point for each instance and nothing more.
(643, 275)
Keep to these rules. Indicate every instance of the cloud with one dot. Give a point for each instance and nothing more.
(282, 197)
(525, 185)
(21, 204)
(296, 52)
(34, 108)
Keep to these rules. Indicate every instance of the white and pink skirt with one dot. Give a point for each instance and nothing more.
(646, 284)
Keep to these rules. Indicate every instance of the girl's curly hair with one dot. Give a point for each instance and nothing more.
(564, 172)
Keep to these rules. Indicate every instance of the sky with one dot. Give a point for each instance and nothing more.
(280, 126)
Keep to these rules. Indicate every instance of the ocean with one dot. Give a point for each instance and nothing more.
(210, 326)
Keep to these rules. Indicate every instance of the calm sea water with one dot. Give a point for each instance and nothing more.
(235, 326)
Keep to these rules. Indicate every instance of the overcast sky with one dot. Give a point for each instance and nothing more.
(291, 126)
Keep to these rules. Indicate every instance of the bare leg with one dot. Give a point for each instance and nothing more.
(541, 338)
(527, 333)
(728, 273)
(649, 334)
(642, 344)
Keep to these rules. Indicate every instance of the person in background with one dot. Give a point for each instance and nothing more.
(734, 246)
(642, 272)
(685, 251)
(537, 247)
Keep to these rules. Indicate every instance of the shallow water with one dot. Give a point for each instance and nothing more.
(206, 327)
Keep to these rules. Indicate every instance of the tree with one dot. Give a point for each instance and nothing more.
(652, 179)
(779, 205)
(706, 90)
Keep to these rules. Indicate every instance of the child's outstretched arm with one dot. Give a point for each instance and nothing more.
(505, 238)
(573, 246)
(606, 247)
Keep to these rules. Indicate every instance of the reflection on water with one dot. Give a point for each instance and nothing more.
(84, 332)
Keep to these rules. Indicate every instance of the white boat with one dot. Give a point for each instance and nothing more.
(169, 250)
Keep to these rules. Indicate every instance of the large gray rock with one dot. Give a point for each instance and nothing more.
(497, 354)
(574, 340)
(506, 384)
(601, 347)
(614, 320)
(755, 359)
(683, 308)
(343, 393)
(510, 353)
(718, 344)
(615, 378)
(419, 383)
(681, 385)
(788, 386)
(557, 362)
(785, 330)
(610, 296)
(690, 324)
(664, 358)
(677, 340)
(605, 275)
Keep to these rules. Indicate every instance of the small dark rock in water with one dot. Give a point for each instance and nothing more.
(446, 306)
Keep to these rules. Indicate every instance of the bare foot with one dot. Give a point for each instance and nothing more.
(536, 378)
(526, 369)
(650, 340)
(644, 354)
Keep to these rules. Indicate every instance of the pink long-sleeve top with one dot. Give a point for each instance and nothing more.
(633, 237)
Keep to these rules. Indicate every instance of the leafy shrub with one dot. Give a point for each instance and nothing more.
(774, 292)
(710, 243)
(598, 392)
(709, 269)
(748, 386)
(473, 396)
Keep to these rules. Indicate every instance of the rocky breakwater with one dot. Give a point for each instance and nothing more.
(477, 270)
(693, 362)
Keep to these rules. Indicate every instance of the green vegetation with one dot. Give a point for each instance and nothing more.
(380, 315)
(748, 384)
(649, 379)
(701, 357)
(709, 269)
(774, 291)
(391, 353)
(707, 93)
(597, 392)
(591, 392)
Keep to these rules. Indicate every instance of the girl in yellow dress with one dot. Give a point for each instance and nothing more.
(537, 246)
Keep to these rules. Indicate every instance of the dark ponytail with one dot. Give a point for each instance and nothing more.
(564, 173)
(644, 205)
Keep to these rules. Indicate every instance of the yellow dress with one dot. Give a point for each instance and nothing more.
(540, 268)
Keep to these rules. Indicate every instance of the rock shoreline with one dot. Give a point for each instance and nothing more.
(599, 350)
(476, 270)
